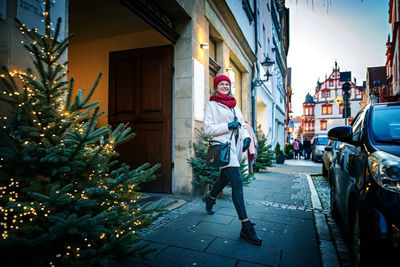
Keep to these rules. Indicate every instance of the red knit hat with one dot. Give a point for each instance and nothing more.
(220, 78)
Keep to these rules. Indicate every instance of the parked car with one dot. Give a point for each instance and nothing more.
(365, 183)
(318, 144)
(329, 155)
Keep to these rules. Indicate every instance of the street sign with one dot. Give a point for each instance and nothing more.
(345, 76)
(291, 124)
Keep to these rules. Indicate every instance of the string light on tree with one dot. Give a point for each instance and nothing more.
(60, 165)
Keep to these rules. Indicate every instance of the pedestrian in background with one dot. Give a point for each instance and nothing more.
(307, 148)
(222, 116)
(295, 146)
(300, 149)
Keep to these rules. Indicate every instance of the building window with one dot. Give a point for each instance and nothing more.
(326, 94)
(309, 111)
(264, 41)
(236, 87)
(323, 125)
(212, 48)
(248, 10)
(326, 109)
(330, 83)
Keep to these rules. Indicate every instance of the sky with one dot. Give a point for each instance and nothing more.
(351, 32)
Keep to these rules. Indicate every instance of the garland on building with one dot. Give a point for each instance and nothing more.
(204, 174)
(64, 200)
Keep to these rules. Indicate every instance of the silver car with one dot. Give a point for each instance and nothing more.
(329, 155)
(318, 145)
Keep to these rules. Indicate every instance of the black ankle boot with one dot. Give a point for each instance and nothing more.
(209, 204)
(249, 233)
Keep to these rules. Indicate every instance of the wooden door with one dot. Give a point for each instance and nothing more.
(140, 93)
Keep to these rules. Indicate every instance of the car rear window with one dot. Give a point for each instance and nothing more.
(386, 123)
(322, 141)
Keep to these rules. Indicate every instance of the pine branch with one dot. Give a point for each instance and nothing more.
(56, 33)
(66, 194)
(69, 94)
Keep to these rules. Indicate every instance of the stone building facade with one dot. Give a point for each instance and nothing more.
(273, 32)
(391, 90)
(158, 59)
(324, 110)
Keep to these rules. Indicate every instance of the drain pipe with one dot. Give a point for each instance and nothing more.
(255, 69)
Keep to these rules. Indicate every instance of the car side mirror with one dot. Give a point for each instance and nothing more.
(342, 134)
(328, 148)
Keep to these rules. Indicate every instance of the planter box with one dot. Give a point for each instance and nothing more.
(280, 159)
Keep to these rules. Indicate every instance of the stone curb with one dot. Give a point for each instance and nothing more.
(327, 247)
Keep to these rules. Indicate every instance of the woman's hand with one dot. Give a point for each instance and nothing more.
(233, 125)
(246, 144)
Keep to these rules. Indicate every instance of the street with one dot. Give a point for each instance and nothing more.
(291, 216)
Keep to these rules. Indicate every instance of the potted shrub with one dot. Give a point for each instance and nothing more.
(279, 154)
(288, 150)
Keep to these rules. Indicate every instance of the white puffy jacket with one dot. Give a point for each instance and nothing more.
(216, 119)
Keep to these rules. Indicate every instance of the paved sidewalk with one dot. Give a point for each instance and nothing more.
(278, 202)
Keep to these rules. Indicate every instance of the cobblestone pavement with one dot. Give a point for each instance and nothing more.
(300, 201)
(322, 186)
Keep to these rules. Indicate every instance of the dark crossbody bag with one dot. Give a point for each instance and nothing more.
(218, 153)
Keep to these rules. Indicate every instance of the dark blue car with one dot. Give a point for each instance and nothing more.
(365, 183)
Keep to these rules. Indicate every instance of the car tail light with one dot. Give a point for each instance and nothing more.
(385, 169)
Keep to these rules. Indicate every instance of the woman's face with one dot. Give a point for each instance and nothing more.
(224, 87)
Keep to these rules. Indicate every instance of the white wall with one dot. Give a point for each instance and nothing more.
(242, 20)
(265, 115)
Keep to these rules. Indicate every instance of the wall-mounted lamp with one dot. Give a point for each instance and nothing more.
(268, 66)
(268, 74)
(204, 45)
(267, 62)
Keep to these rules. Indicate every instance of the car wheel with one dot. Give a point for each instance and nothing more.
(360, 244)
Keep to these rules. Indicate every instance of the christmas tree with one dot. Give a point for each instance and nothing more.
(265, 154)
(244, 171)
(207, 175)
(64, 199)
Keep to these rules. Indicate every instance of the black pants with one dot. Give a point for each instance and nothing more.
(232, 175)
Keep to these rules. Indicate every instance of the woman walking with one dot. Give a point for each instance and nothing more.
(221, 118)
